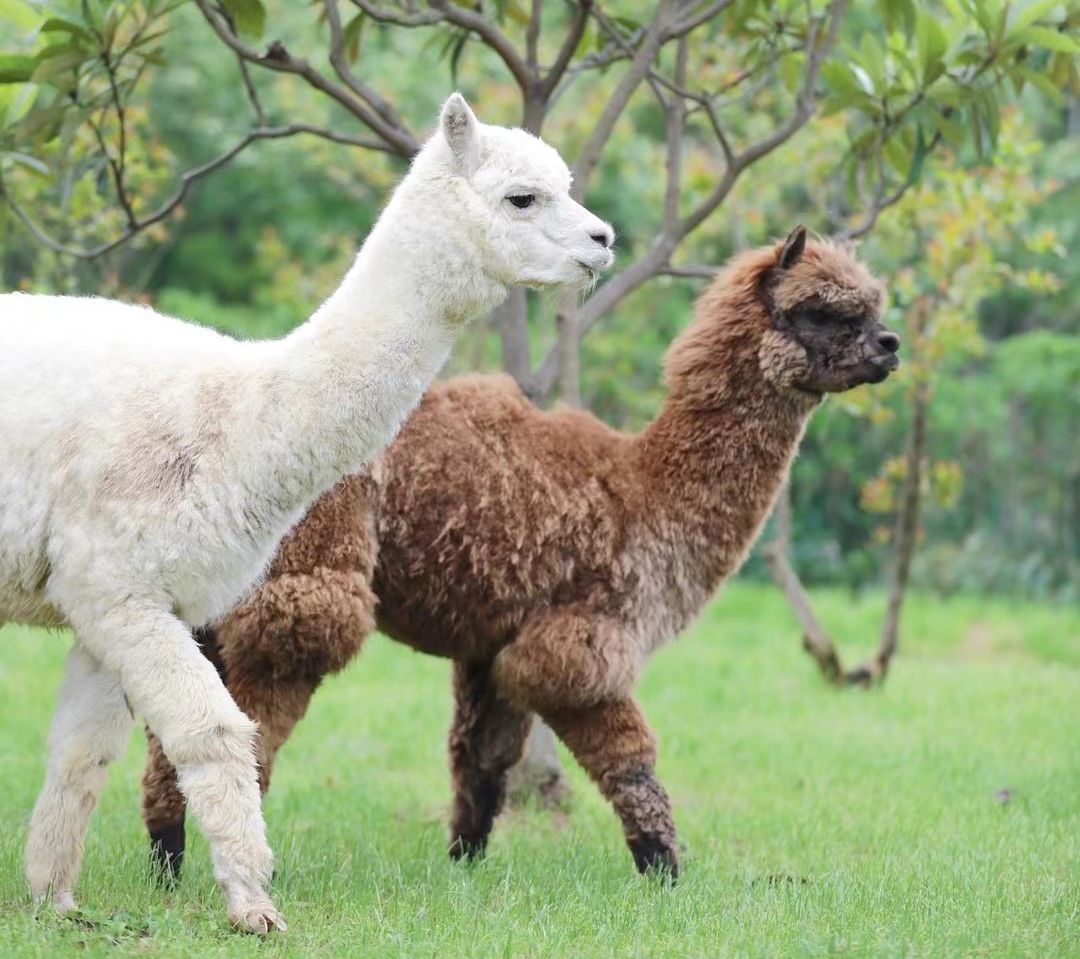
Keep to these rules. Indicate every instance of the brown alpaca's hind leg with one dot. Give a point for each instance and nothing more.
(615, 745)
(276, 705)
(163, 805)
(487, 737)
(163, 808)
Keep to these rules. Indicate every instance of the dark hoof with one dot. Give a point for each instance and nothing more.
(167, 854)
(470, 850)
(654, 857)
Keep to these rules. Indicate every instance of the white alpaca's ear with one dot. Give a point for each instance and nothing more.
(462, 131)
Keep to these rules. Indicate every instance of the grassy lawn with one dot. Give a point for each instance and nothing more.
(815, 823)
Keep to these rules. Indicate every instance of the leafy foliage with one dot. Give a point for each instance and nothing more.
(909, 131)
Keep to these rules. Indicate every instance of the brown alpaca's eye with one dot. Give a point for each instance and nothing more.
(523, 200)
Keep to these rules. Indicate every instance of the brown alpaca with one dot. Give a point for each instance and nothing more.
(548, 555)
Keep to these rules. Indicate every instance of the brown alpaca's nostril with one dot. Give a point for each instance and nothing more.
(605, 239)
(888, 340)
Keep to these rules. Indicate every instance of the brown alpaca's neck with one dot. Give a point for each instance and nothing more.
(715, 459)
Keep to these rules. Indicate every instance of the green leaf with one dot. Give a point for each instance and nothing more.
(898, 156)
(56, 25)
(841, 80)
(932, 45)
(872, 60)
(921, 149)
(15, 68)
(1032, 12)
(353, 31)
(33, 164)
(1042, 82)
(899, 15)
(1048, 39)
(248, 15)
(60, 70)
(951, 131)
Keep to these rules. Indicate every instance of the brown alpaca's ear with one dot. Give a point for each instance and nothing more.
(793, 248)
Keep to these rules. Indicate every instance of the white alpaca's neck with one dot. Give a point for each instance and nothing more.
(340, 386)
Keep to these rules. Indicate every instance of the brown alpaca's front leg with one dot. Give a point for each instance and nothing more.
(615, 745)
(486, 738)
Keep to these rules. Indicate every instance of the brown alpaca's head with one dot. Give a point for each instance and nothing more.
(824, 308)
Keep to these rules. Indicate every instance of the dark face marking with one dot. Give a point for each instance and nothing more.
(844, 351)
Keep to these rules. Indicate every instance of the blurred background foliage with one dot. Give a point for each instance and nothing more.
(978, 253)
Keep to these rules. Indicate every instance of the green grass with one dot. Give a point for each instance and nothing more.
(815, 823)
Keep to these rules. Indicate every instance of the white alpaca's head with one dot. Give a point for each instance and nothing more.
(510, 194)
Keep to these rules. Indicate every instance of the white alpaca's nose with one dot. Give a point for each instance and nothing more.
(602, 234)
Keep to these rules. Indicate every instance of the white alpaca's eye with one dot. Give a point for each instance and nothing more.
(522, 200)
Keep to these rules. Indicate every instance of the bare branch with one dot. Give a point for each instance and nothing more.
(187, 179)
(490, 34)
(279, 59)
(805, 102)
(821, 37)
(339, 61)
(396, 17)
(676, 123)
(566, 51)
(689, 271)
(252, 92)
(691, 23)
(532, 36)
(653, 39)
(869, 221)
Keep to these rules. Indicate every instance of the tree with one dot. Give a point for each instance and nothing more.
(943, 242)
(734, 82)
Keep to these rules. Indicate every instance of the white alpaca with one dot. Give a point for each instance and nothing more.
(148, 469)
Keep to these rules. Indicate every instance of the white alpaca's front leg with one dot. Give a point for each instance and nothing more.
(91, 728)
(171, 685)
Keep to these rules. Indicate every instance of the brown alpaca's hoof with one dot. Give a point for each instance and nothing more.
(471, 850)
(653, 857)
(167, 854)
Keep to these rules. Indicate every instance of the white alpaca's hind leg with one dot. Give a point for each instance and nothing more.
(91, 728)
(171, 685)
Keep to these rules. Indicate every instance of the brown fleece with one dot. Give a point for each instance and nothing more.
(548, 554)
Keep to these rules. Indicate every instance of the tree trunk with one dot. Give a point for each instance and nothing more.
(569, 343)
(816, 641)
(539, 774)
(907, 529)
(512, 320)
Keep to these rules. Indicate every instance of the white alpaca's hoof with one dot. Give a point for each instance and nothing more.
(259, 919)
(64, 902)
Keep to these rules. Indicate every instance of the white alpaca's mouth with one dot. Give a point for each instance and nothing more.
(590, 272)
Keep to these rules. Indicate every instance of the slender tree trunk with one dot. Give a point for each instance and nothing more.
(907, 530)
(777, 553)
(539, 774)
(569, 342)
(512, 320)
(816, 640)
